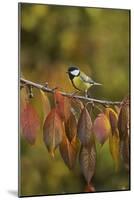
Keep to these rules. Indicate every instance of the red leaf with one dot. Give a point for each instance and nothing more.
(23, 98)
(101, 128)
(123, 119)
(63, 105)
(125, 152)
(84, 128)
(89, 188)
(71, 127)
(68, 151)
(30, 123)
(123, 126)
(53, 131)
(88, 161)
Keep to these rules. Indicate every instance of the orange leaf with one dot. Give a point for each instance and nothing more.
(63, 105)
(71, 127)
(68, 151)
(101, 128)
(84, 128)
(53, 131)
(30, 123)
(88, 161)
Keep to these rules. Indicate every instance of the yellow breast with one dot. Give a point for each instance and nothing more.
(80, 84)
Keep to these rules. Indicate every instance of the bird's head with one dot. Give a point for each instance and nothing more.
(73, 72)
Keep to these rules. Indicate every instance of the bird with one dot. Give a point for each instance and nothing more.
(80, 80)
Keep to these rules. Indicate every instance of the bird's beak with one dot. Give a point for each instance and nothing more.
(67, 72)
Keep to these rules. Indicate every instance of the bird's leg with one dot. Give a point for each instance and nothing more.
(86, 93)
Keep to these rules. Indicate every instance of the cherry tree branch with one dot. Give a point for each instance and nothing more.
(45, 88)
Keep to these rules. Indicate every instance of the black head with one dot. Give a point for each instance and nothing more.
(73, 72)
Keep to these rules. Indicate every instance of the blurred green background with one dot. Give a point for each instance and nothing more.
(97, 41)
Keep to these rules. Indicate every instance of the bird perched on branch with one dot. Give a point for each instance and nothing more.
(80, 80)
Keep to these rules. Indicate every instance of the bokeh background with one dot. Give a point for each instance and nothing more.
(97, 41)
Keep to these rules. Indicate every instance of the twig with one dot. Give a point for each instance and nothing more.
(50, 90)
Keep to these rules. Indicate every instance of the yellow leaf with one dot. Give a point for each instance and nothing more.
(114, 140)
(45, 106)
(114, 145)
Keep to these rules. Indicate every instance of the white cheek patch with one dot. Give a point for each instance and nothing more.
(75, 72)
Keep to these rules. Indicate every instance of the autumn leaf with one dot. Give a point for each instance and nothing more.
(71, 127)
(45, 105)
(123, 119)
(84, 128)
(89, 188)
(76, 107)
(23, 98)
(30, 123)
(114, 140)
(114, 145)
(117, 109)
(53, 131)
(68, 151)
(123, 126)
(125, 152)
(113, 118)
(101, 128)
(87, 159)
(63, 105)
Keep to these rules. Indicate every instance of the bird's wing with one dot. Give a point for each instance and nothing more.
(85, 78)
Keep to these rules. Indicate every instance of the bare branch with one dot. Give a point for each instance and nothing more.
(45, 88)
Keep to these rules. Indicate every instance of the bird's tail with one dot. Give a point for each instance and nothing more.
(97, 83)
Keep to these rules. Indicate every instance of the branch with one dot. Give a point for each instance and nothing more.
(50, 90)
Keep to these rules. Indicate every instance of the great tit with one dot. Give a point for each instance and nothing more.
(80, 80)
